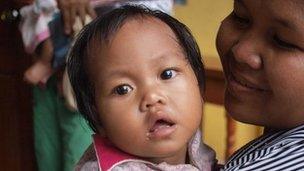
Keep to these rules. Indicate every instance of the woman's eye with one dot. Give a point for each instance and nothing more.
(241, 21)
(122, 89)
(167, 74)
(283, 44)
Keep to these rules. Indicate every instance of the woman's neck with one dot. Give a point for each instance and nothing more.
(268, 130)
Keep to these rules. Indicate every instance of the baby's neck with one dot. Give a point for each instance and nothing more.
(180, 157)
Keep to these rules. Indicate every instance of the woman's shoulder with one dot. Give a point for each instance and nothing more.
(282, 149)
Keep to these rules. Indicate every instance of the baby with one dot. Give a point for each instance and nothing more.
(138, 80)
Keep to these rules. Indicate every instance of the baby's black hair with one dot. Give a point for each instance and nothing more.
(102, 29)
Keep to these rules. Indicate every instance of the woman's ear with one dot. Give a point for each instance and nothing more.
(202, 97)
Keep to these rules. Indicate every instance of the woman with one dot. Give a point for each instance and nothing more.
(261, 46)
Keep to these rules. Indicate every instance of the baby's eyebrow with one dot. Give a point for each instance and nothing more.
(118, 73)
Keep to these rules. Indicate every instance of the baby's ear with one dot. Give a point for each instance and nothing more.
(101, 131)
(202, 99)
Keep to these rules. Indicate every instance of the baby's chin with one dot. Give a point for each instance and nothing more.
(170, 154)
(173, 160)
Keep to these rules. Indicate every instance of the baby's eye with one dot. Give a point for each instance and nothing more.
(167, 74)
(122, 89)
(283, 44)
(241, 21)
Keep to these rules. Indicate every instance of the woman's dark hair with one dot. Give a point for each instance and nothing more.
(102, 29)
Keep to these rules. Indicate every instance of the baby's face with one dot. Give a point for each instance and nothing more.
(261, 45)
(147, 94)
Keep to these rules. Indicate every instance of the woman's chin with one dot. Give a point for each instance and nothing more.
(244, 113)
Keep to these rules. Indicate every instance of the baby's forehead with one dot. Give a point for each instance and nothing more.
(145, 25)
(146, 20)
(136, 26)
(141, 32)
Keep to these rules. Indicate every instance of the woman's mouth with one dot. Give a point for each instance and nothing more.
(238, 81)
(242, 84)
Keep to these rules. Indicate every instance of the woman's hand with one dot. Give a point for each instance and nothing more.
(72, 8)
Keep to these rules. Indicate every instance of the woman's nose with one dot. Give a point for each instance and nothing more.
(151, 98)
(246, 51)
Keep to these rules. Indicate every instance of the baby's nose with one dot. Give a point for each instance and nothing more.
(152, 98)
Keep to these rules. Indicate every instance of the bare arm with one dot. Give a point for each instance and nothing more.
(72, 8)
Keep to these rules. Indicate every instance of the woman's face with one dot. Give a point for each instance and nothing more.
(261, 46)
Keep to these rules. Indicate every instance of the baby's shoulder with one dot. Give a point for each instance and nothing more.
(88, 161)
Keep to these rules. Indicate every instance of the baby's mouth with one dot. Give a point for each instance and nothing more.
(161, 128)
(160, 124)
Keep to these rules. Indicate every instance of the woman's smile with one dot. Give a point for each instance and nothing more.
(243, 84)
(239, 81)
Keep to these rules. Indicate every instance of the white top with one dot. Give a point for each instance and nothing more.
(276, 151)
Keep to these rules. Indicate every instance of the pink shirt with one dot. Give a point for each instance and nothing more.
(105, 156)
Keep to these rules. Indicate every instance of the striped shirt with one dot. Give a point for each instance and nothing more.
(279, 151)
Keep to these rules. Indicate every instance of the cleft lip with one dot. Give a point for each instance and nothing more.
(159, 118)
(161, 122)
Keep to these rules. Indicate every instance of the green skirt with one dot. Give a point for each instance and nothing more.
(60, 135)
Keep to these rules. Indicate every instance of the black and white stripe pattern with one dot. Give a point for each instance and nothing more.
(279, 151)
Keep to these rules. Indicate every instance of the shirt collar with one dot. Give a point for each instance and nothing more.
(201, 156)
